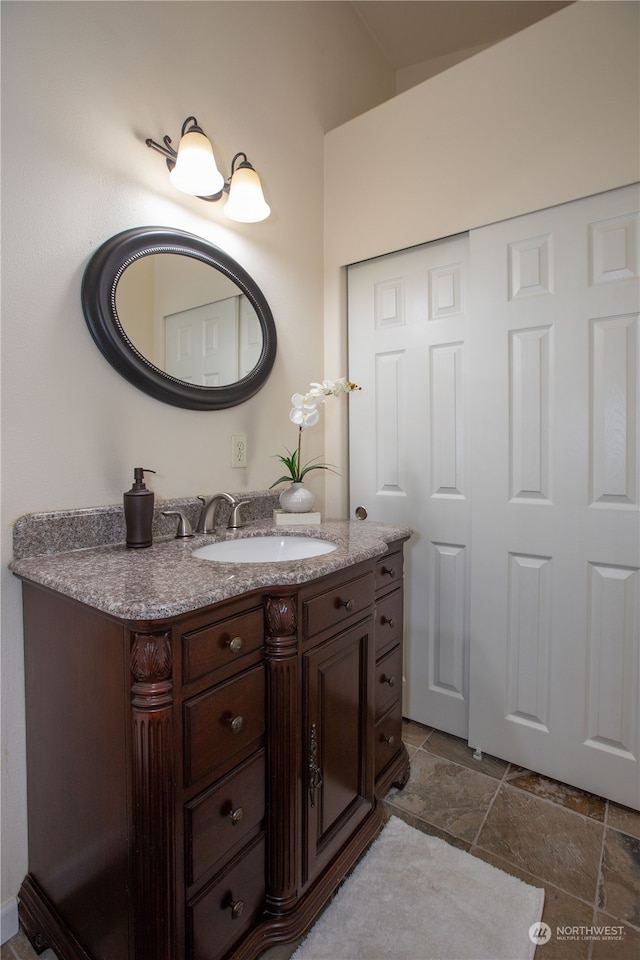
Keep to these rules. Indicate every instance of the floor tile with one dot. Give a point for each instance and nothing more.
(453, 748)
(446, 794)
(559, 909)
(619, 894)
(562, 910)
(411, 750)
(545, 839)
(626, 949)
(414, 734)
(624, 819)
(19, 948)
(425, 827)
(570, 797)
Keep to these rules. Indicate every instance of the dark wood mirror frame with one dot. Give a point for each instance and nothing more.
(99, 305)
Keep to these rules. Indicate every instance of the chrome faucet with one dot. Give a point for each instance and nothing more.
(206, 521)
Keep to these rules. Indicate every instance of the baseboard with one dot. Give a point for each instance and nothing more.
(8, 920)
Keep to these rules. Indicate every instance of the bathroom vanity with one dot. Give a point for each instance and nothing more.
(207, 743)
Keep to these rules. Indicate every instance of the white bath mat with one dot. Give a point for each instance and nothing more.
(414, 897)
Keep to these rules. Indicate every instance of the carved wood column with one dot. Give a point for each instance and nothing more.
(283, 724)
(151, 706)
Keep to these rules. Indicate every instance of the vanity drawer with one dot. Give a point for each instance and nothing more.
(220, 644)
(222, 724)
(388, 679)
(219, 820)
(213, 922)
(388, 571)
(388, 623)
(330, 608)
(388, 736)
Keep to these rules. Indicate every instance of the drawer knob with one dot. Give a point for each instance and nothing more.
(388, 572)
(388, 740)
(236, 724)
(235, 644)
(391, 621)
(237, 906)
(347, 604)
(237, 815)
(390, 680)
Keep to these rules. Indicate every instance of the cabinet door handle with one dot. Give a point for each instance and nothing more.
(315, 775)
(388, 740)
(237, 906)
(391, 621)
(388, 572)
(390, 680)
(347, 604)
(236, 724)
(235, 644)
(236, 815)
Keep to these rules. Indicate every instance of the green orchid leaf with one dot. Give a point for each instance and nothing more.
(284, 479)
(317, 466)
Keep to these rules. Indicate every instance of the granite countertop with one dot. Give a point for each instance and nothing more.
(165, 579)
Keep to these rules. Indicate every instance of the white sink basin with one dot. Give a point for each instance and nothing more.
(264, 549)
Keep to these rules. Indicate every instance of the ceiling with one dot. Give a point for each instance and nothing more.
(413, 31)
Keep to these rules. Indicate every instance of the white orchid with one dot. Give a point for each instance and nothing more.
(305, 413)
(330, 388)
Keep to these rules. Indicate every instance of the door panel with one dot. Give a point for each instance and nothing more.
(409, 462)
(554, 604)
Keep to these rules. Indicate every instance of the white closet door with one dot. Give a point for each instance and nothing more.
(555, 582)
(202, 343)
(408, 459)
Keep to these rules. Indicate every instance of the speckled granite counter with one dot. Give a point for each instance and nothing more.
(165, 580)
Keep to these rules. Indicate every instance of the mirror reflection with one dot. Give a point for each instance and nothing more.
(188, 320)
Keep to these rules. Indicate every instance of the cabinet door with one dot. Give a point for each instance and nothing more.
(338, 761)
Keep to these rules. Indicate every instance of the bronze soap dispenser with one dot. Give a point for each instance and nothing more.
(138, 510)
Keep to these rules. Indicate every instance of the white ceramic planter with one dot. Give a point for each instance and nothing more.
(297, 499)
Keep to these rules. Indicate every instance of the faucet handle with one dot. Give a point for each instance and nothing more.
(185, 529)
(235, 521)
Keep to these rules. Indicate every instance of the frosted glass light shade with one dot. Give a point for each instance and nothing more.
(246, 202)
(195, 171)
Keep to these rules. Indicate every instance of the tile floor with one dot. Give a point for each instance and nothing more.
(583, 850)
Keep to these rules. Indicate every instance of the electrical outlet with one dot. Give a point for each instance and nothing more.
(239, 450)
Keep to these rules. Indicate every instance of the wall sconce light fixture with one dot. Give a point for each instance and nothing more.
(192, 169)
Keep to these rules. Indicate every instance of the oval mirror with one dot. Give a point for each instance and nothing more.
(179, 318)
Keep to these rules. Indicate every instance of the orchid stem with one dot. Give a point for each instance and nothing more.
(299, 447)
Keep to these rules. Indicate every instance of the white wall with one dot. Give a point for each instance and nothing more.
(546, 116)
(83, 85)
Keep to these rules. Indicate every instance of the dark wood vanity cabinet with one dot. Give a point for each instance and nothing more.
(199, 786)
(388, 749)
